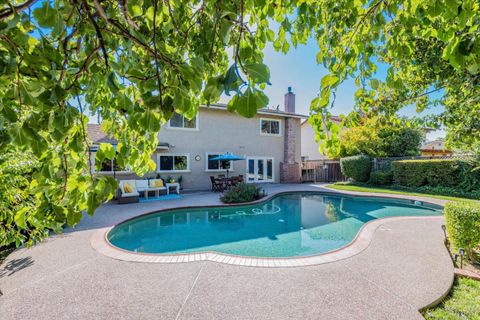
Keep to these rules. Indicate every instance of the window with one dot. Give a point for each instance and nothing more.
(173, 162)
(180, 121)
(110, 166)
(217, 165)
(270, 127)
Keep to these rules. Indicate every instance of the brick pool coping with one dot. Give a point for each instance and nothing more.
(361, 242)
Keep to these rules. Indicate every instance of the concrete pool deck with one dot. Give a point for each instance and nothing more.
(404, 268)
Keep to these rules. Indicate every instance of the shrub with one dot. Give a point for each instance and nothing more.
(463, 226)
(416, 173)
(381, 178)
(242, 192)
(357, 167)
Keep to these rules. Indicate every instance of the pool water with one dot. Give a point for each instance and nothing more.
(287, 225)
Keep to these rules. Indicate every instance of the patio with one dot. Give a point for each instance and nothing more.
(65, 278)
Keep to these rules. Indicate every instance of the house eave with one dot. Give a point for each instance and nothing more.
(223, 107)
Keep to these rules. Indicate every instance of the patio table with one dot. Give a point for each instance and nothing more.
(175, 185)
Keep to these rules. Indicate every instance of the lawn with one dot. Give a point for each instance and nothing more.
(461, 303)
(376, 189)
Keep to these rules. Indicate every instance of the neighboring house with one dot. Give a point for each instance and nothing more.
(270, 143)
(435, 149)
(310, 148)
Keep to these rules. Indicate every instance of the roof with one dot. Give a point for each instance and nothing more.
(97, 136)
(222, 106)
(434, 145)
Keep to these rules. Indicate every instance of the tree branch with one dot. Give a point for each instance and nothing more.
(97, 29)
(6, 12)
(157, 69)
(127, 17)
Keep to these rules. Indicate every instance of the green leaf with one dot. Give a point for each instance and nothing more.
(45, 15)
(150, 120)
(20, 218)
(258, 72)
(248, 103)
(112, 82)
(230, 78)
(107, 150)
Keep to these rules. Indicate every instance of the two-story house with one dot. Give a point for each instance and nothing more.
(269, 142)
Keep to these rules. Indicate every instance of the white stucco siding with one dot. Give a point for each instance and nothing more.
(310, 148)
(221, 131)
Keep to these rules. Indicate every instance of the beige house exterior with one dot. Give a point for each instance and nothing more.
(310, 149)
(270, 143)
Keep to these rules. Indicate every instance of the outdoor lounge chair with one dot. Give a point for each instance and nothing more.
(125, 196)
(217, 186)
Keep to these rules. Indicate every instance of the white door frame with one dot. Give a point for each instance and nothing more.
(255, 170)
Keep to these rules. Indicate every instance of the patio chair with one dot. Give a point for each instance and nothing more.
(128, 192)
(217, 186)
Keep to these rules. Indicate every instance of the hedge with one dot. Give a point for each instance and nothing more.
(438, 172)
(381, 178)
(357, 167)
(463, 226)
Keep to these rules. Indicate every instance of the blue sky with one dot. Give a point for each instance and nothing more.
(299, 70)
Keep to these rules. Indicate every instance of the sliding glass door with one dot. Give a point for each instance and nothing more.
(259, 169)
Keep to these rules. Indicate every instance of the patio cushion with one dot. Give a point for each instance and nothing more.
(141, 184)
(156, 183)
(130, 182)
(127, 188)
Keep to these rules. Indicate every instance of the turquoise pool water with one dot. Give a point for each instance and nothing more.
(287, 225)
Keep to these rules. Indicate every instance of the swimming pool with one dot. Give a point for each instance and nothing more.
(286, 225)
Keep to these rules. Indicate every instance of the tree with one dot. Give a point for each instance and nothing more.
(377, 138)
(431, 49)
(132, 62)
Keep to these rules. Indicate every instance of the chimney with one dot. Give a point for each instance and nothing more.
(290, 168)
(290, 101)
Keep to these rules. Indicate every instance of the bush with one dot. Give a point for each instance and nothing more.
(416, 173)
(381, 178)
(242, 192)
(463, 226)
(357, 167)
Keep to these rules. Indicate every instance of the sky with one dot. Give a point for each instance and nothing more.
(298, 69)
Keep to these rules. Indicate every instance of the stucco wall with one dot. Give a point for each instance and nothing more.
(309, 148)
(221, 131)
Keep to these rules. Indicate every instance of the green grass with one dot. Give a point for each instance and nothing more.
(365, 188)
(463, 302)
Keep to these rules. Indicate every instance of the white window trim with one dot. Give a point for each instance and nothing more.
(216, 170)
(197, 124)
(172, 155)
(280, 131)
(262, 158)
(112, 172)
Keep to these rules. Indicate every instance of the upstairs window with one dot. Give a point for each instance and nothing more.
(173, 162)
(180, 121)
(270, 127)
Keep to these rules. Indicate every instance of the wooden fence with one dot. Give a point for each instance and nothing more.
(321, 171)
(329, 170)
